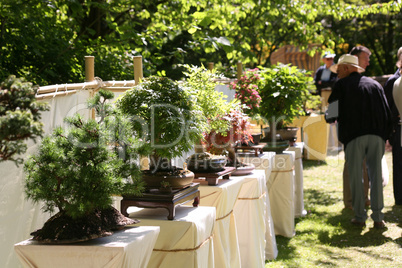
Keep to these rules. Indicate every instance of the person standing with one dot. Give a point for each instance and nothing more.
(359, 105)
(323, 77)
(395, 139)
(363, 54)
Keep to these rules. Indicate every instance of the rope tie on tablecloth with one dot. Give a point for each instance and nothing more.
(221, 218)
(251, 198)
(185, 249)
(284, 170)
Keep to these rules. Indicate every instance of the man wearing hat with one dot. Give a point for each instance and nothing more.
(359, 105)
(323, 77)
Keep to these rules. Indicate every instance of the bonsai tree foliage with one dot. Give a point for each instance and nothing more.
(284, 90)
(165, 116)
(247, 91)
(77, 172)
(20, 116)
(221, 142)
(202, 83)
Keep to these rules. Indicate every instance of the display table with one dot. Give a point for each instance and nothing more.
(264, 162)
(223, 197)
(299, 195)
(186, 241)
(251, 212)
(281, 193)
(130, 247)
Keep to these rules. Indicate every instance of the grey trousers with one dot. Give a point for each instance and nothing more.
(347, 193)
(372, 148)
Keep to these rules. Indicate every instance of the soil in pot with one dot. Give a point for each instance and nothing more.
(63, 229)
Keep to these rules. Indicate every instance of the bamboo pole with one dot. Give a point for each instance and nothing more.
(210, 66)
(89, 68)
(239, 69)
(138, 75)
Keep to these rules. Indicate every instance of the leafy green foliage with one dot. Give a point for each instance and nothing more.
(20, 116)
(164, 115)
(80, 170)
(46, 41)
(202, 83)
(284, 90)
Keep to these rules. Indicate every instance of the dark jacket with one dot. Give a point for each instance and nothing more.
(388, 87)
(363, 108)
(324, 84)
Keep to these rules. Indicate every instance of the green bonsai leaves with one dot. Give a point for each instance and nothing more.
(19, 117)
(79, 170)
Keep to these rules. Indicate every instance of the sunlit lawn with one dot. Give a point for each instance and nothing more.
(325, 236)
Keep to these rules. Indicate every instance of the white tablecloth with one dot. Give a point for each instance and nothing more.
(265, 162)
(223, 197)
(131, 247)
(281, 193)
(184, 242)
(299, 195)
(252, 212)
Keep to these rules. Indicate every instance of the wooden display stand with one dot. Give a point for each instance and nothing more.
(156, 199)
(213, 177)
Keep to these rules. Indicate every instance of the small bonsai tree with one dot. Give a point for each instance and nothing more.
(20, 116)
(222, 142)
(166, 116)
(77, 172)
(283, 90)
(247, 91)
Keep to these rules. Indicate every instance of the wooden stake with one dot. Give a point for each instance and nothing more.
(138, 75)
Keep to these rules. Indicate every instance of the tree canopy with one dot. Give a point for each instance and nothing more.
(46, 41)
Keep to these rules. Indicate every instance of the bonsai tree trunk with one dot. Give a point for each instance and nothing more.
(158, 163)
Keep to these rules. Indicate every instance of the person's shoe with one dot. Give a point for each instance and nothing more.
(358, 223)
(379, 224)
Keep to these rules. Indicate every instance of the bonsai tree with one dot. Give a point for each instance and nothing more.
(221, 142)
(283, 90)
(201, 84)
(20, 116)
(247, 91)
(77, 172)
(166, 117)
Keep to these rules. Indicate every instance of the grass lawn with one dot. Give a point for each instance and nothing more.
(326, 238)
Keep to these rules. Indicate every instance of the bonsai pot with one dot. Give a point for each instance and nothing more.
(256, 138)
(177, 178)
(285, 134)
(205, 162)
(276, 146)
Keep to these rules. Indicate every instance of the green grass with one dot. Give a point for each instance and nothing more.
(326, 238)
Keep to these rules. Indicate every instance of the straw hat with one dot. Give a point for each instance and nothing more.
(347, 59)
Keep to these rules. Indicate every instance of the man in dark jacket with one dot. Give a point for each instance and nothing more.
(359, 105)
(395, 139)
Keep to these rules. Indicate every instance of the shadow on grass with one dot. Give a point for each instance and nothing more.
(307, 164)
(315, 197)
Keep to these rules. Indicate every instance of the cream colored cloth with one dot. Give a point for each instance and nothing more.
(19, 216)
(131, 247)
(315, 137)
(251, 212)
(223, 197)
(281, 194)
(264, 162)
(184, 242)
(298, 187)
